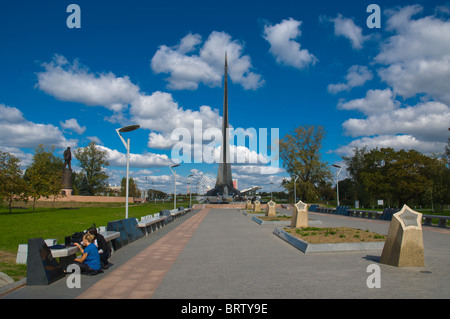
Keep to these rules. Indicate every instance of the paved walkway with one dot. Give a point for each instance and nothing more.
(141, 275)
(222, 254)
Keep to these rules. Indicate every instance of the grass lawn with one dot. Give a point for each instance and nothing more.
(58, 222)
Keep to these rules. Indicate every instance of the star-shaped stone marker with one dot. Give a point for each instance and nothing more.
(409, 218)
(301, 206)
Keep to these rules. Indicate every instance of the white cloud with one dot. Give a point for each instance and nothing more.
(415, 63)
(188, 71)
(421, 127)
(189, 43)
(23, 133)
(159, 141)
(375, 102)
(145, 160)
(94, 139)
(357, 75)
(283, 46)
(73, 82)
(26, 159)
(398, 142)
(72, 124)
(257, 169)
(416, 57)
(158, 112)
(347, 28)
(10, 114)
(426, 122)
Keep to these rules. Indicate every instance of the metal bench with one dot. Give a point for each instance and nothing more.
(151, 224)
(364, 213)
(442, 220)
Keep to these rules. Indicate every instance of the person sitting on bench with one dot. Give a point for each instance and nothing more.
(103, 249)
(89, 262)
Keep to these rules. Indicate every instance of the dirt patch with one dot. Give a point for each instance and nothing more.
(275, 218)
(334, 235)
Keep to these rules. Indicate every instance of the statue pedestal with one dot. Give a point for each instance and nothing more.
(66, 192)
(67, 182)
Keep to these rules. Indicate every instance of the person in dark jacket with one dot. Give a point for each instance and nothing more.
(103, 248)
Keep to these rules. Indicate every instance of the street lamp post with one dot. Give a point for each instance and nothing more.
(295, 190)
(337, 182)
(271, 189)
(189, 189)
(153, 190)
(175, 185)
(126, 129)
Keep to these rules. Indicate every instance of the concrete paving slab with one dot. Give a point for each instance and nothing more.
(229, 256)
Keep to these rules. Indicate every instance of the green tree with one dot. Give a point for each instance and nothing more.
(13, 188)
(300, 153)
(438, 190)
(447, 152)
(44, 175)
(93, 162)
(356, 164)
(397, 175)
(133, 190)
(157, 193)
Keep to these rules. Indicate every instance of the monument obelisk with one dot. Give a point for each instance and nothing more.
(224, 182)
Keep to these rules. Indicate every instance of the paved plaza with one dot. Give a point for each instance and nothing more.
(216, 253)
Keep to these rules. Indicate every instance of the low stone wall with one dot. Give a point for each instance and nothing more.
(87, 199)
(232, 206)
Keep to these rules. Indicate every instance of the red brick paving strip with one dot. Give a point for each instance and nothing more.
(139, 277)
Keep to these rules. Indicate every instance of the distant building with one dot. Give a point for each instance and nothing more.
(114, 190)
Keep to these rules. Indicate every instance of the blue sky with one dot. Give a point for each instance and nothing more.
(160, 64)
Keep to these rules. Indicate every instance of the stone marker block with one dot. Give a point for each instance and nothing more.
(257, 206)
(271, 209)
(42, 268)
(22, 253)
(248, 205)
(404, 242)
(300, 215)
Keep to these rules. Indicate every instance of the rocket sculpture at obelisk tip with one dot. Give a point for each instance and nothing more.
(224, 183)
